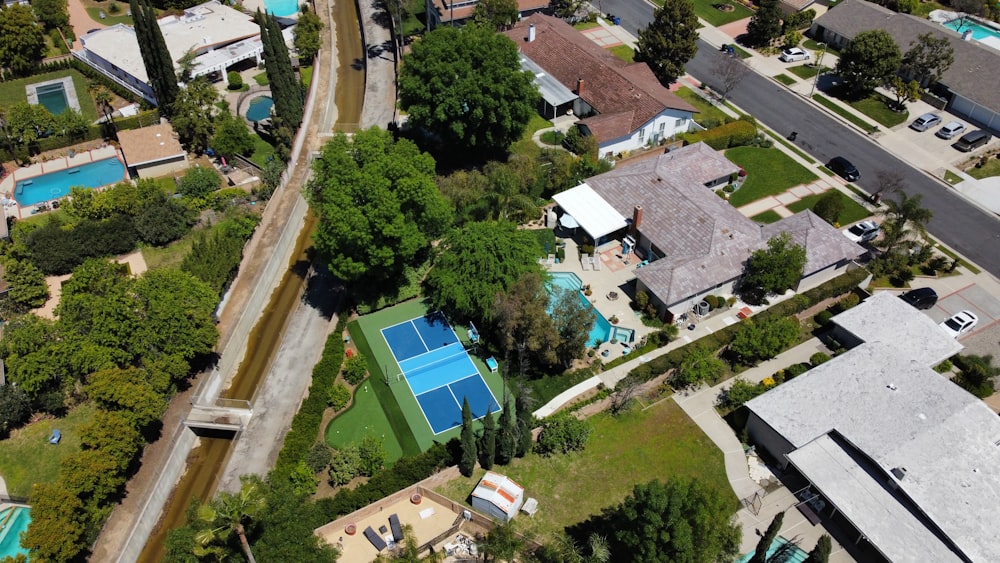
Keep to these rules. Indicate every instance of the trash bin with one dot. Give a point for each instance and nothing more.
(617, 20)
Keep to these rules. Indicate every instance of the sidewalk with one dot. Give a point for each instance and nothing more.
(984, 193)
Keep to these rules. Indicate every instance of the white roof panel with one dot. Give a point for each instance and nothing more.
(594, 214)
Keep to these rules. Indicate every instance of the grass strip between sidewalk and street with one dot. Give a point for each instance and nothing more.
(846, 114)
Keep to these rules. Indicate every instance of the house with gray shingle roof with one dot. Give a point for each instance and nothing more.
(970, 85)
(695, 242)
(621, 104)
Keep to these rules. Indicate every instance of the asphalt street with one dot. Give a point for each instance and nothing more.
(956, 222)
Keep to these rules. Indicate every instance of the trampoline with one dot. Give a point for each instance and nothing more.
(438, 371)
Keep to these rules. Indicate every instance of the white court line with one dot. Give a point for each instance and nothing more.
(426, 347)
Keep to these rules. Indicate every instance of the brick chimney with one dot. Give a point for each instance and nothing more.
(636, 221)
(579, 87)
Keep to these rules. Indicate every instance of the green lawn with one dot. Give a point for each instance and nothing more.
(657, 443)
(364, 417)
(27, 458)
(853, 211)
(623, 52)
(767, 217)
(526, 146)
(848, 115)
(806, 71)
(785, 79)
(992, 168)
(261, 79)
(741, 52)
(306, 75)
(815, 46)
(706, 10)
(952, 178)
(413, 23)
(262, 150)
(552, 137)
(580, 26)
(769, 172)
(109, 19)
(793, 148)
(12, 91)
(706, 111)
(876, 106)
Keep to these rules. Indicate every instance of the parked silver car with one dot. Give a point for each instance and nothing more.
(925, 122)
(951, 130)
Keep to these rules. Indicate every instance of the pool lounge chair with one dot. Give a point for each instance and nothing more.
(597, 262)
(587, 264)
(550, 261)
(375, 539)
(397, 530)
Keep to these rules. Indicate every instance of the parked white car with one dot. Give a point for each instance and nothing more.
(960, 323)
(864, 231)
(794, 54)
(951, 130)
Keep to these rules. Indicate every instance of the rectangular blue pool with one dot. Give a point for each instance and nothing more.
(54, 185)
(979, 31)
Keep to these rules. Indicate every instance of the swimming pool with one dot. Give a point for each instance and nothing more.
(260, 108)
(282, 8)
(603, 330)
(798, 554)
(53, 97)
(55, 185)
(979, 31)
(13, 521)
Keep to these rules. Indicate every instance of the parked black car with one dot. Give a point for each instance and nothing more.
(921, 298)
(843, 168)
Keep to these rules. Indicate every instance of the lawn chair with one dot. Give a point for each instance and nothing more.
(586, 263)
(596, 259)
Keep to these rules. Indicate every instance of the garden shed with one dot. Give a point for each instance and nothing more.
(498, 496)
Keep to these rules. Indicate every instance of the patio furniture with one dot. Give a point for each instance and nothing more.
(550, 261)
(491, 363)
(374, 538)
(397, 530)
(597, 262)
(612, 295)
(587, 265)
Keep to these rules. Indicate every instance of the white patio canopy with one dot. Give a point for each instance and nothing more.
(591, 211)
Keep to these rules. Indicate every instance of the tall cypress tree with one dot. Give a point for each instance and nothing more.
(468, 461)
(760, 553)
(488, 442)
(155, 55)
(285, 88)
(507, 435)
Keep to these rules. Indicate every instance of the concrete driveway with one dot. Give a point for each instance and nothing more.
(973, 298)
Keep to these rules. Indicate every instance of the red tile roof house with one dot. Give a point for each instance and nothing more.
(445, 12)
(622, 104)
(694, 242)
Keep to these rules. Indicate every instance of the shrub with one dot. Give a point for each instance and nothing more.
(235, 80)
(199, 182)
(563, 433)
(355, 369)
(306, 424)
(849, 301)
(823, 317)
(319, 457)
(340, 395)
(739, 393)
(641, 300)
(734, 134)
(713, 302)
(795, 370)
(976, 375)
(818, 358)
(763, 339)
(944, 367)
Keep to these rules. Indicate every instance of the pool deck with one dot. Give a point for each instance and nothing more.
(8, 184)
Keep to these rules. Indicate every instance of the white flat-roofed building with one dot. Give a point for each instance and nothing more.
(498, 496)
(218, 35)
(897, 452)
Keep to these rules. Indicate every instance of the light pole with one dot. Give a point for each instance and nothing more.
(819, 70)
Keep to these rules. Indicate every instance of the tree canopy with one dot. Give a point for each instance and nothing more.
(195, 114)
(774, 269)
(670, 40)
(465, 87)
(478, 262)
(928, 58)
(763, 339)
(868, 61)
(286, 90)
(496, 14)
(680, 520)
(155, 55)
(765, 24)
(22, 42)
(307, 34)
(378, 206)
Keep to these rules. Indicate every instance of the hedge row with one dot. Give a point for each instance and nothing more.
(734, 134)
(402, 474)
(305, 425)
(94, 132)
(721, 338)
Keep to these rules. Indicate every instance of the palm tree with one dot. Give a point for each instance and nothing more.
(508, 200)
(903, 215)
(229, 513)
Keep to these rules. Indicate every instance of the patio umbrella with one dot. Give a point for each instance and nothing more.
(568, 222)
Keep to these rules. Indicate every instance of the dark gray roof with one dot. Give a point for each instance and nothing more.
(704, 240)
(974, 73)
(900, 414)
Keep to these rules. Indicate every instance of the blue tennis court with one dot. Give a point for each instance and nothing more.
(438, 370)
